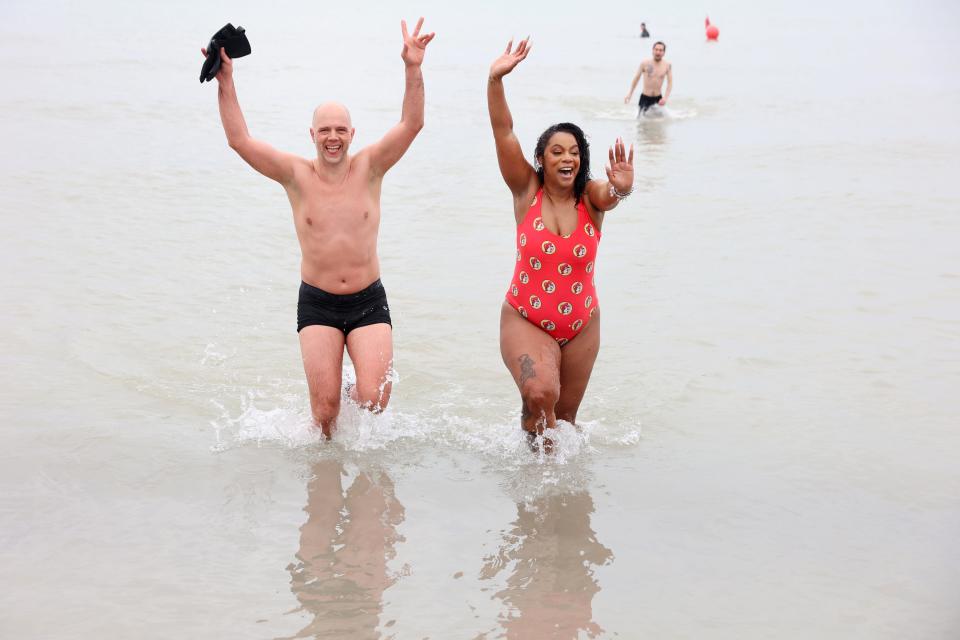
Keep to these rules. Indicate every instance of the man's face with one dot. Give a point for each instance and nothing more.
(658, 50)
(332, 132)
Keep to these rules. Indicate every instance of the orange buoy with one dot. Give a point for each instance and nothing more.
(712, 31)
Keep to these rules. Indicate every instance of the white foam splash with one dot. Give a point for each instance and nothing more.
(654, 114)
(279, 415)
(657, 112)
(288, 424)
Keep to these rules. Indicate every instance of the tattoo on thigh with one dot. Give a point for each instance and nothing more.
(526, 368)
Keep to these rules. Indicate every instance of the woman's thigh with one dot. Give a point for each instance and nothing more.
(576, 364)
(530, 354)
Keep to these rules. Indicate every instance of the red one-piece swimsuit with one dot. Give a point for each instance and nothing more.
(553, 284)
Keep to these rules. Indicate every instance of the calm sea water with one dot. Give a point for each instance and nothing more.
(769, 446)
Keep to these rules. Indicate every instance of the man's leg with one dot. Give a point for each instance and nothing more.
(322, 350)
(371, 350)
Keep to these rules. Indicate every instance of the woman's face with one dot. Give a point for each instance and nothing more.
(561, 160)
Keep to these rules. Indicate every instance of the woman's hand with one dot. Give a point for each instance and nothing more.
(505, 63)
(620, 169)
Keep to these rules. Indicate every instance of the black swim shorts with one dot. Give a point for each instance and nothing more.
(648, 101)
(345, 312)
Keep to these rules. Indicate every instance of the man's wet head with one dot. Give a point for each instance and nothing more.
(658, 50)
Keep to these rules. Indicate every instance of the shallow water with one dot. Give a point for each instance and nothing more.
(769, 443)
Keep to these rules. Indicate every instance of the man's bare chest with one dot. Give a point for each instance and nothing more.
(325, 209)
(656, 72)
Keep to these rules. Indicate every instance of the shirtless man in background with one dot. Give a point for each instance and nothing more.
(335, 199)
(654, 71)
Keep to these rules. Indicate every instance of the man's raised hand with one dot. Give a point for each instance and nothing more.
(225, 72)
(414, 44)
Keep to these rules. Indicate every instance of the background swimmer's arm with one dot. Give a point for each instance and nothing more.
(619, 177)
(516, 171)
(633, 85)
(274, 164)
(666, 96)
(385, 153)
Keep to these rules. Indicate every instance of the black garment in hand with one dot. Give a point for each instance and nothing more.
(233, 40)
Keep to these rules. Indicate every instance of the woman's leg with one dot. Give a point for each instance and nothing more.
(576, 364)
(533, 359)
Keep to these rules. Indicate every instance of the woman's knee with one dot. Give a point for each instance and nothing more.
(566, 413)
(540, 395)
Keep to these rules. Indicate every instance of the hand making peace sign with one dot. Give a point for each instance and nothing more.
(414, 45)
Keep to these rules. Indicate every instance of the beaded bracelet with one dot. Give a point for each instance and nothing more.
(616, 194)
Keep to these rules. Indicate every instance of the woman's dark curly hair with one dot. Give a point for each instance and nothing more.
(583, 176)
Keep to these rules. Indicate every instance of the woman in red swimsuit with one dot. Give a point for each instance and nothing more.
(550, 320)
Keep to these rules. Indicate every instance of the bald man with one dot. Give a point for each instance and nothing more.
(335, 198)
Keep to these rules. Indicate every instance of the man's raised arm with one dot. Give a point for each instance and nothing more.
(385, 153)
(274, 164)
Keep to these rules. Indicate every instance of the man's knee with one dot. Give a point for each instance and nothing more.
(374, 399)
(325, 408)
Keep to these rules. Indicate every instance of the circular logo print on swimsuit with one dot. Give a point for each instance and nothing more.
(518, 255)
(535, 263)
(589, 267)
(534, 201)
(564, 269)
(524, 278)
(588, 229)
(577, 288)
(565, 308)
(591, 311)
(523, 239)
(535, 302)
(538, 224)
(548, 286)
(579, 251)
(514, 290)
(576, 325)
(522, 311)
(562, 341)
(548, 325)
(588, 302)
(548, 247)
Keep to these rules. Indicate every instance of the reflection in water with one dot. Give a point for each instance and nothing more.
(552, 550)
(651, 132)
(345, 545)
(652, 148)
